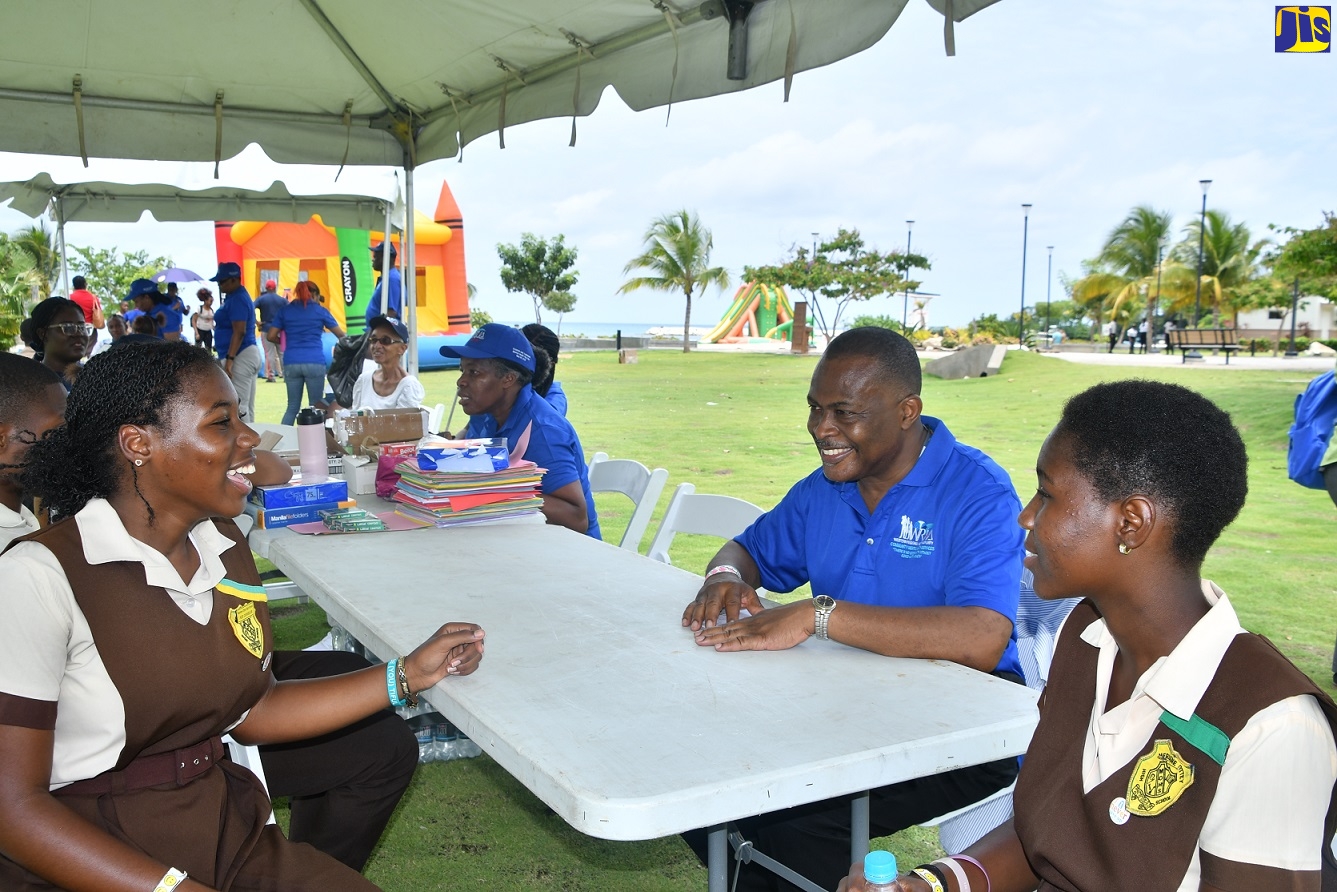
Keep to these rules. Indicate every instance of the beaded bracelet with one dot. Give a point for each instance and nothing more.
(988, 883)
(723, 568)
(392, 683)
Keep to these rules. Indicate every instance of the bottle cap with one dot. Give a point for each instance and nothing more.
(310, 415)
(879, 867)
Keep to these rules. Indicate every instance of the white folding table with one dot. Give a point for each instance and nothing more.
(593, 695)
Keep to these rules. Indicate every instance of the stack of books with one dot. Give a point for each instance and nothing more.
(457, 498)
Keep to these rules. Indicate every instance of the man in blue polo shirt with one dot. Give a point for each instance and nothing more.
(394, 302)
(911, 544)
(496, 368)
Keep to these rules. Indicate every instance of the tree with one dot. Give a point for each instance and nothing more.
(1126, 265)
(18, 285)
(1230, 261)
(843, 270)
(109, 272)
(561, 303)
(540, 268)
(1311, 256)
(34, 242)
(677, 254)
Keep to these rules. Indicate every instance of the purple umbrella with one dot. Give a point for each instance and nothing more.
(176, 274)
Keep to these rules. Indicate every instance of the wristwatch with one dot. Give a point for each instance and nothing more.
(823, 604)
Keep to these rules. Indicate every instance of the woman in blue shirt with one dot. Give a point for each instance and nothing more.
(545, 339)
(496, 368)
(304, 320)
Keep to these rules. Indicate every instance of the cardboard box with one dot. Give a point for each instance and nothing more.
(274, 518)
(361, 478)
(398, 450)
(297, 494)
(359, 432)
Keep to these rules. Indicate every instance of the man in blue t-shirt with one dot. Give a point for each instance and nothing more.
(911, 544)
(270, 304)
(395, 299)
(234, 337)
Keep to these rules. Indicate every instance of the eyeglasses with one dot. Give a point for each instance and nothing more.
(70, 329)
(384, 342)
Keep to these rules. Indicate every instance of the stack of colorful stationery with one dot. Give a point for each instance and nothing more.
(467, 484)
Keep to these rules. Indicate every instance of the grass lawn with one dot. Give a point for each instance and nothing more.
(735, 424)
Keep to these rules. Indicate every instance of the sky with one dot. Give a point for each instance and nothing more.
(1083, 110)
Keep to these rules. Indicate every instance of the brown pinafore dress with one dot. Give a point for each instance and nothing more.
(183, 684)
(1079, 842)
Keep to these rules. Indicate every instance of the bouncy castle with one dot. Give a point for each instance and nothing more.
(339, 262)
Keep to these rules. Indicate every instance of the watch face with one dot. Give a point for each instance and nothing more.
(825, 602)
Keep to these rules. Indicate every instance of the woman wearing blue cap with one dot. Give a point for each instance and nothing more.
(497, 366)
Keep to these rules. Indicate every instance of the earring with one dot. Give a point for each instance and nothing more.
(139, 463)
(1123, 549)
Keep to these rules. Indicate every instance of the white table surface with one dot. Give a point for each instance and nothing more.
(596, 699)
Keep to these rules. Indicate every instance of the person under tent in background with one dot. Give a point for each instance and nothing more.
(394, 294)
(92, 307)
(234, 335)
(32, 402)
(59, 337)
(303, 321)
(387, 385)
(270, 304)
(545, 339)
(497, 366)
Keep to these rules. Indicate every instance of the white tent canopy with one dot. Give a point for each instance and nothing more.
(126, 203)
(398, 82)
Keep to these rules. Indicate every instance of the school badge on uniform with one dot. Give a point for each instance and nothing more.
(1159, 778)
(246, 626)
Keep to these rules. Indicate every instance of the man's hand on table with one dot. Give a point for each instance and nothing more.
(724, 593)
(778, 628)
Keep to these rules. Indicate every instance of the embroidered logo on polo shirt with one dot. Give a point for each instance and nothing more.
(1159, 778)
(915, 539)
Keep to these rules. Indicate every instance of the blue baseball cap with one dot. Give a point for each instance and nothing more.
(399, 327)
(496, 341)
(377, 249)
(227, 271)
(143, 286)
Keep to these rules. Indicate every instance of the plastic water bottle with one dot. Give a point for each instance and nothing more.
(311, 445)
(422, 729)
(338, 637)
(443, 740)
(879, 871)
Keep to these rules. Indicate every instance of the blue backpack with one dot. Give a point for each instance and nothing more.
(1315, 414)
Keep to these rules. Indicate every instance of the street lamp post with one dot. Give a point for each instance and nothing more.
(1021, 317)
(1049, 286)
(1151, 311)
(1197, 295)
(905, 308)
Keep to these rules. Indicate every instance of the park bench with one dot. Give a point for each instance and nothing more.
(1186, 339)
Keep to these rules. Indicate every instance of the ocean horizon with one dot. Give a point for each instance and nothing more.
(572, 328)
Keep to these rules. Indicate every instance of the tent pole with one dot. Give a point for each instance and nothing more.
(385, 257)
(410, 273)
(60, 235)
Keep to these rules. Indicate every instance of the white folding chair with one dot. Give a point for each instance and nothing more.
(635, 481)
(248, 757)
(710, 515)
(436, 416)
(1038, 625)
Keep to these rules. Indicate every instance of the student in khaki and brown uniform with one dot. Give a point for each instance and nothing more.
(137, 633)
(1175, 751)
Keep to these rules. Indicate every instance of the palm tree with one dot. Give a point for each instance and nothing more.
(35, 242)
(1126, 264)
(1229, 261)
(677, 253)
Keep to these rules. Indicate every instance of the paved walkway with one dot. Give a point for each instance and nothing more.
(1310, 365)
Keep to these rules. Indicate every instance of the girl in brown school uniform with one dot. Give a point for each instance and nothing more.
(138, 634)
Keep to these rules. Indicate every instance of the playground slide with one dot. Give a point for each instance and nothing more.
(738, 310)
